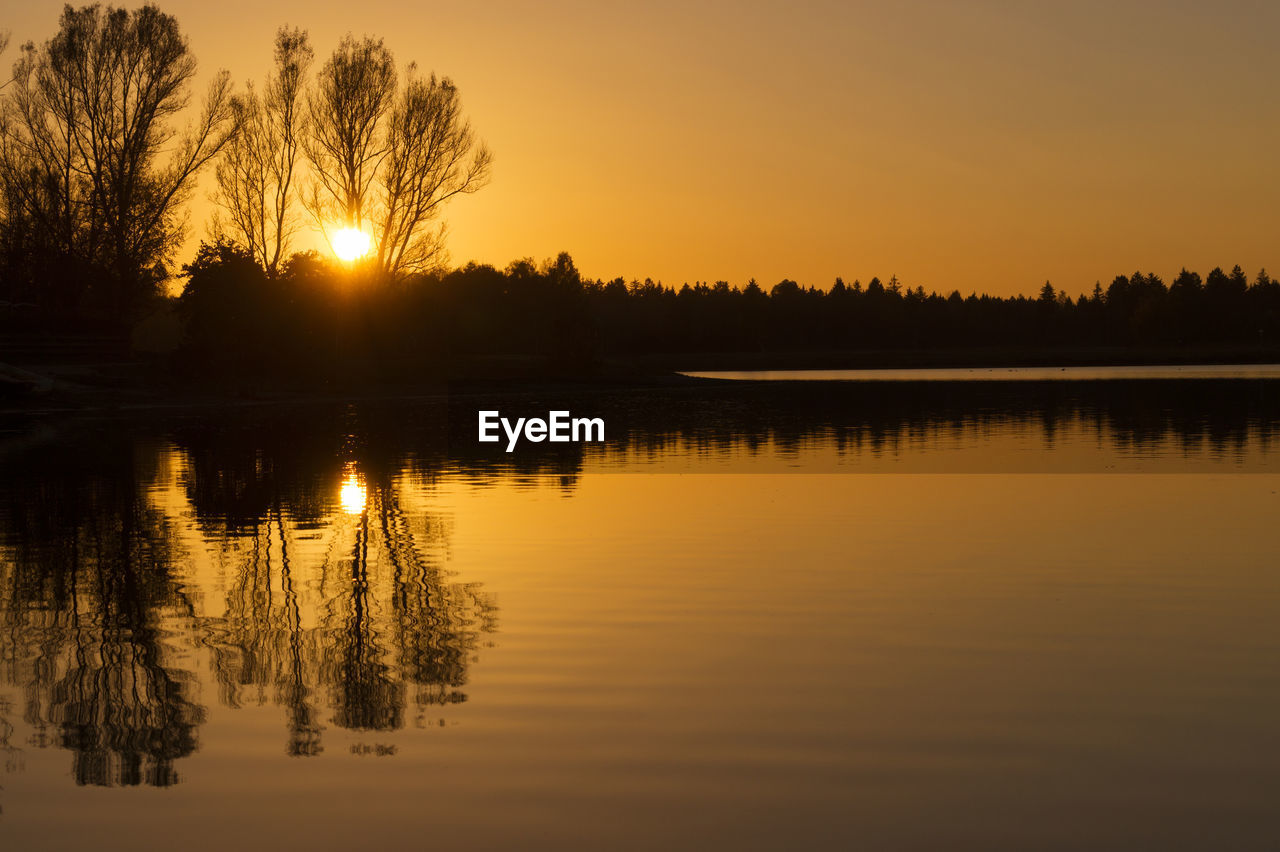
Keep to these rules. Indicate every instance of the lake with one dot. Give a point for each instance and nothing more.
(1007, 374)
(874, 615)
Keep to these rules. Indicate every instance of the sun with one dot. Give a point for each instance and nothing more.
(351, 244)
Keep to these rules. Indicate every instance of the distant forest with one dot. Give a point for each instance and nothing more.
(236, 316)
(320, 318)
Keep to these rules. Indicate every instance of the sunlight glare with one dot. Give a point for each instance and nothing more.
(352, 496)
(351, 244)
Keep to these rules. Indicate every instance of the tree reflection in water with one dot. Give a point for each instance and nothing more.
(372, 627)
(91, 601)
(106, 608)
(286, 546)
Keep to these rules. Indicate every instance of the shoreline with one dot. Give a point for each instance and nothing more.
(972, 357)
(137, 385)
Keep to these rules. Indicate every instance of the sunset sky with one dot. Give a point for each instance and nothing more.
(971, 145)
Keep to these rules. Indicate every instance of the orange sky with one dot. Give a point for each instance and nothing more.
(973, 145)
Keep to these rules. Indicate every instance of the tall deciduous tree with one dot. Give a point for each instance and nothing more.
(345, 140)
(432, 155)
(387, 157)
(91, 157)
(257, 172)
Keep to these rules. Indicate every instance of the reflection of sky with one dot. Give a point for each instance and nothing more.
(753, 653)
(1004, 374)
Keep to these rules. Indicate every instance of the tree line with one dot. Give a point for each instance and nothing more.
(310, 319)
(1133, 310)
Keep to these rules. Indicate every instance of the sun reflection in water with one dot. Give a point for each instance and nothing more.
(352, 495)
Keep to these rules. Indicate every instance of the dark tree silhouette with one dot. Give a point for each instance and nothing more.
(388, 156)
(311, 325)
(256, 173)
(92, 208)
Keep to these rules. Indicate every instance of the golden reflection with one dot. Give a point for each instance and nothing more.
(352, 496)
(358, 626)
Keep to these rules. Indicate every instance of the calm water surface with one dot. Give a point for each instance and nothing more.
(1006, 374)
(821, 618)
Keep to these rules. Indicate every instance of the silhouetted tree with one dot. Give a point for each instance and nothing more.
(432, 156)
(256, 173)
(88, 122)
(345, 141)
(389, 156)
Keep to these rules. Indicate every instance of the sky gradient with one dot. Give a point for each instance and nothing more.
(978, 146)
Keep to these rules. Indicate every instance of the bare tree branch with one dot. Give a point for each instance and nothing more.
(91, 157)
(389, 156)
(256, 174)
(345, 142)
